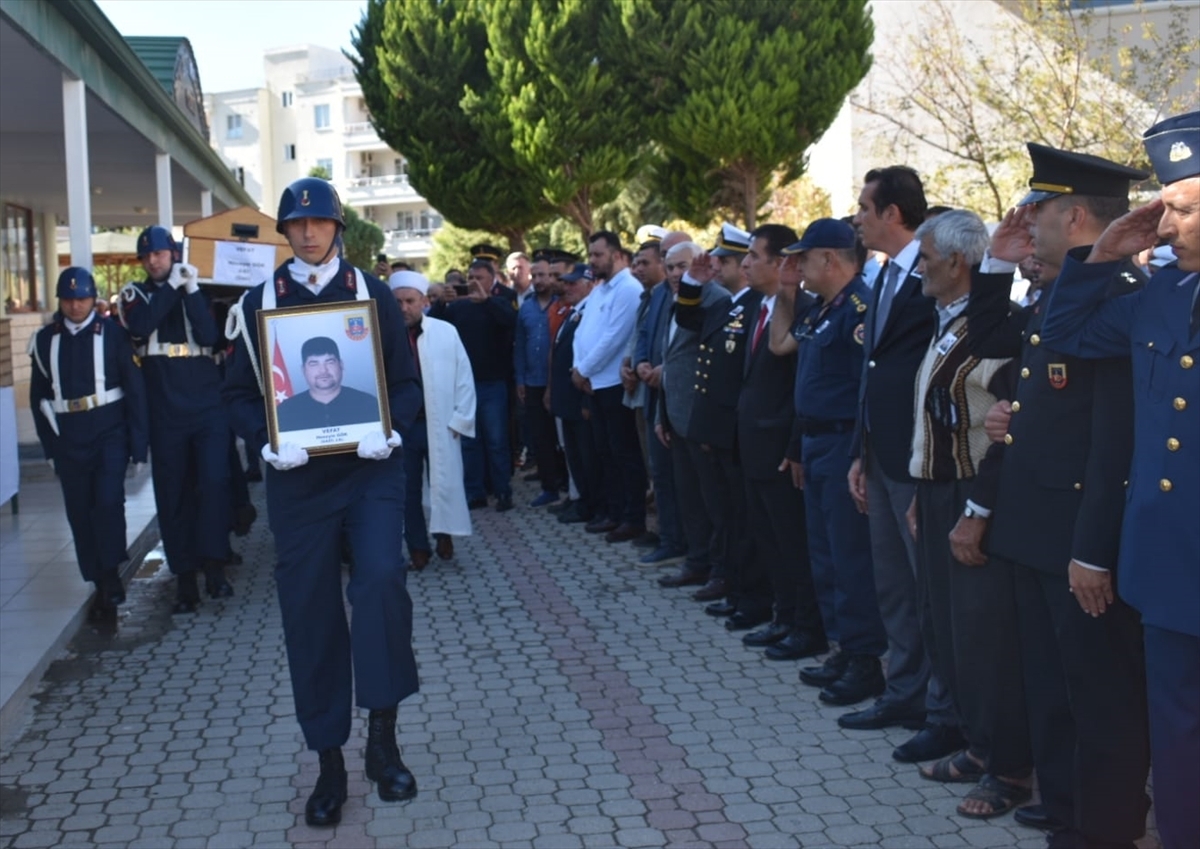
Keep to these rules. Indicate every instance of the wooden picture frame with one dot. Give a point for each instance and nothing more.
(325, 363)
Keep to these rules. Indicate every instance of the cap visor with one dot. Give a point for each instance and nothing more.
(725, 252)
(795, 248)
(1037, 197)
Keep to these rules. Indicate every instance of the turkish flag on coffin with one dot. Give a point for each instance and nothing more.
(279, 377)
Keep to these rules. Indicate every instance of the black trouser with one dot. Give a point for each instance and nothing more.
(1085, 686)
(694, 517)
(724, 494)
(776, 522)
(975, 645)
(542, 439)
(620, 456)
(579, 445)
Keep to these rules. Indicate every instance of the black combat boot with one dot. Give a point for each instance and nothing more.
(187, 594)
(214, 580)
(324, 806)
(393, 780)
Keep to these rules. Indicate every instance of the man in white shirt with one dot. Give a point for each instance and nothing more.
(599, 345)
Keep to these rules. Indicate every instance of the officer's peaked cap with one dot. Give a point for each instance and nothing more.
(1173, 146)
(1061, 172)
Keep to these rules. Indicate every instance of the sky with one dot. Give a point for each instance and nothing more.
(229, 36)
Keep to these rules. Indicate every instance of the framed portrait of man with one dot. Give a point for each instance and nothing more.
(327, 388)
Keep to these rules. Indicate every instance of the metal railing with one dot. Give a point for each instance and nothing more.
(382, 180)
(358, 128)
(322, 74)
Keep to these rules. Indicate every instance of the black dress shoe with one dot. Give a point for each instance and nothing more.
(600, 526)
(931, 743)
(796, 646)
(187, 593)
(111, 587)
(687, 576)
(1036, 816)
(724, 607)
(101, 611)
(504, 503)
(828, 672)
(768, 636)
(647, 540)
(324, 806)
(862, 680)
(742, 620)
(560, 506)
(715, 588)
(575, 514)
(393, 781)
(215, 583)
(883, 714)
(624, 532)
(477, 503)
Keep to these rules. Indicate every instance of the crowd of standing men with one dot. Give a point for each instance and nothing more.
(898, 462)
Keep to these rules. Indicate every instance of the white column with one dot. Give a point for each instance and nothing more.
(206, 203)
(79, 181)
(166, 208)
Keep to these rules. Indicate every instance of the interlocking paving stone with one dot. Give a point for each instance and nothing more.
(566, 702)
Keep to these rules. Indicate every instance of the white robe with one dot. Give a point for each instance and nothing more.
(449, 414)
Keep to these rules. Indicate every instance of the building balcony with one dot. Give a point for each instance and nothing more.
(408, 244)
(378, 191)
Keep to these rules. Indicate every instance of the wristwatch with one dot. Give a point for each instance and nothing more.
(969, 512)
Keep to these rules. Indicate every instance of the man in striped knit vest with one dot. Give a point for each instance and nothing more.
(972, 608)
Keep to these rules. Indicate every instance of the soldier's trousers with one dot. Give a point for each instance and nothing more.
(93, 485)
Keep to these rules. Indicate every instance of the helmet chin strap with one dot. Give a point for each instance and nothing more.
(334, 246)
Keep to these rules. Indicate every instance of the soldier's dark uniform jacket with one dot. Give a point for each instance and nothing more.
(725, 336)
(1067, 456)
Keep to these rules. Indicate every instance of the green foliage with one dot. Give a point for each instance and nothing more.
(416, 61)
(743, 90)
(362, 240)
(452, 249)
(320, 172)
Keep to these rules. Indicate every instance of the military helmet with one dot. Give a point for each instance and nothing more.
(156, 239)
(310, 197)
(76, 283)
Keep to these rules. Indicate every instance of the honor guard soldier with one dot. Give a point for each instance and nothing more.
(89, 405)
(1056, 518)
(1159, 328)
(829, 340)
(189, 431)
(312, 504)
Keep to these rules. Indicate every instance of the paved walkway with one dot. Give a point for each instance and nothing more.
(566, 701)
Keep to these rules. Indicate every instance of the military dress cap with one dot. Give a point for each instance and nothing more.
(309, 197)
(1061, 172)
(731, 241)
(824, 233)
(409, 280)
(76, 283)
(581, 271)
(487, 252)
(650, 233)
(545, 255)
(155, 239)
(1173, 146)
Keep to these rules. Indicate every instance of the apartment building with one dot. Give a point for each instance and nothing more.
(311, 114)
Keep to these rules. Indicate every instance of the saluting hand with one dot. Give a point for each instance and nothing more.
(1012, 241)
(701, 269)
(475, 293)
(1092, 588)
(1130, 234)
(790, 277)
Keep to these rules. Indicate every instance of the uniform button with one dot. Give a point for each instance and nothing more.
(1186, 361)
(1125, 483)
(1165, 485)
(1016, 406)
(1008, 440)
(1172, 444)
(697, 374)
(1035, 340)
(871, 364)
(1078, 486)
(697, 386)
(1024, 373)
(1180, 404)
(1149, 344)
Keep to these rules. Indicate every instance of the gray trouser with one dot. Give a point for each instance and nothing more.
(903, 604)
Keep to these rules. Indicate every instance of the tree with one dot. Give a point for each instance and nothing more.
(739, 91)
(967, 94)
(416, 61)
(559, 82)
(361, 240)
(320, 172)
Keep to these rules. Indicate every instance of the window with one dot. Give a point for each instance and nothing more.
(239, 174)
(321, 116)
(289, 152)
(287, 99)
(233, 126)
(404, 221)
(401, 167)
(19, 266)
(326, 165)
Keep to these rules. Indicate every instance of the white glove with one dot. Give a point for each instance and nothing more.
(374, 446)
(290, 456)
(134, 470)
(184, 275)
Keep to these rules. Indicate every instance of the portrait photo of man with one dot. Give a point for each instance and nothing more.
(327, 402)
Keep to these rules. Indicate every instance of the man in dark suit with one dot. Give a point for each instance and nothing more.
(1059, 506)
(723, 338)
(703, 526)
(890, 208)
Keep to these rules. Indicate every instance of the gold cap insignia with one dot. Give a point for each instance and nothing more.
(72, 282)
(1179, 152)
(304, 201)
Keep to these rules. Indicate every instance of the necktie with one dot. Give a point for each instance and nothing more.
(886, 297)
(758, 329)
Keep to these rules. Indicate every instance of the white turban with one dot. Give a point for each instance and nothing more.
(409, 280)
